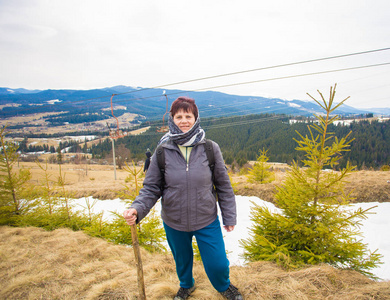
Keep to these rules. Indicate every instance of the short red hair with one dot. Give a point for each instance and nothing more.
(186, 104)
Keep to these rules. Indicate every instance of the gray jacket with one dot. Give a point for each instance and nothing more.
(188, 197)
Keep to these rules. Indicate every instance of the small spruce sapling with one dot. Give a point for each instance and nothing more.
(151, 234)
(64, 194)
(44, 213)
(260, 172)
(14, 194)
(315, 224)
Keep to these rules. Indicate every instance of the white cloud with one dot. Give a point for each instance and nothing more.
(91, 44)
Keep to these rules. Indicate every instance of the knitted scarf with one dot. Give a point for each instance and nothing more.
(186, 139)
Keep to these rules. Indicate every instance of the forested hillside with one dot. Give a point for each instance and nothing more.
(370, 148)
(241, 138)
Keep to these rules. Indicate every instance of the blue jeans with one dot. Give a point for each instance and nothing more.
(211, 248)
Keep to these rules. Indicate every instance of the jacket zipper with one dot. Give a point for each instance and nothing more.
(187, 159)
(188, 202)
(188, 197)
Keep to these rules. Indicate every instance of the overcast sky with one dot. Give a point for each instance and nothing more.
(84, 44)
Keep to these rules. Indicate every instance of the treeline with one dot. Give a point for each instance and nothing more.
(76, 118)
(73, 146)
(370, 147)
(241, 138)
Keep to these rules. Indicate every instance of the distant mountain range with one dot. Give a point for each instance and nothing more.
(151, 103)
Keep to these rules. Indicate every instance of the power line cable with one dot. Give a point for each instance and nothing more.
(260, 80)
(269, 79)
(294, 76)
(260, 69)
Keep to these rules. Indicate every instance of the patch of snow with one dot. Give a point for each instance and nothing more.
(343, 122)
(80, 138)
(374, 229)
(293, 105)
(53, 101)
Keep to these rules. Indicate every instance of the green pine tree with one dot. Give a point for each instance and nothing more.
(260, 172)
(13, 184)
(151, 234)
(47, 189)
(85, 147)
(65, 196)
(51, 203)
(59, 155)
(313, 225)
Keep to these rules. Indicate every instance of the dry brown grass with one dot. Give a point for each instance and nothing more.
(35, 119)
(83, 180)
(98, 181)
(370, 186)
(364, 186)
(36, 264)
(123, 120)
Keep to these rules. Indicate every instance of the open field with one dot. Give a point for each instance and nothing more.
(31, 122)
(364, 186)
(36, 124)
(32, 119)
(99, 181)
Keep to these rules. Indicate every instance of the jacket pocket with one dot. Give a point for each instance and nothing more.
(206, 205)
(171, 205)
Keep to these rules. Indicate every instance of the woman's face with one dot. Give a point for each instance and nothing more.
(184, 120)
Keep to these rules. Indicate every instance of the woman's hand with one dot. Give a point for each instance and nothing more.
(228, 228)
(130, 216)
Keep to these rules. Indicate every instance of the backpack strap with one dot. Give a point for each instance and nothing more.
(210, 155)
(208, 146)
(161, 163)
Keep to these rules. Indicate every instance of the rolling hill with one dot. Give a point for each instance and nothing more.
(151, 103)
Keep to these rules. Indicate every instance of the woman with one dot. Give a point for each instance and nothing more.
(189, 206)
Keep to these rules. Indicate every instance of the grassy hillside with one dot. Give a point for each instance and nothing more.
(36, 264)
(98, 181)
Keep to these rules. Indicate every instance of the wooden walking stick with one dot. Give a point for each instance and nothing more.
(138, 261)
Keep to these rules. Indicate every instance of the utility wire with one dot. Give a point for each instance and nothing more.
(293, 76)
(260, 80)
(254, 81)
(263, 80)
(258, 69)
(276, 66)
